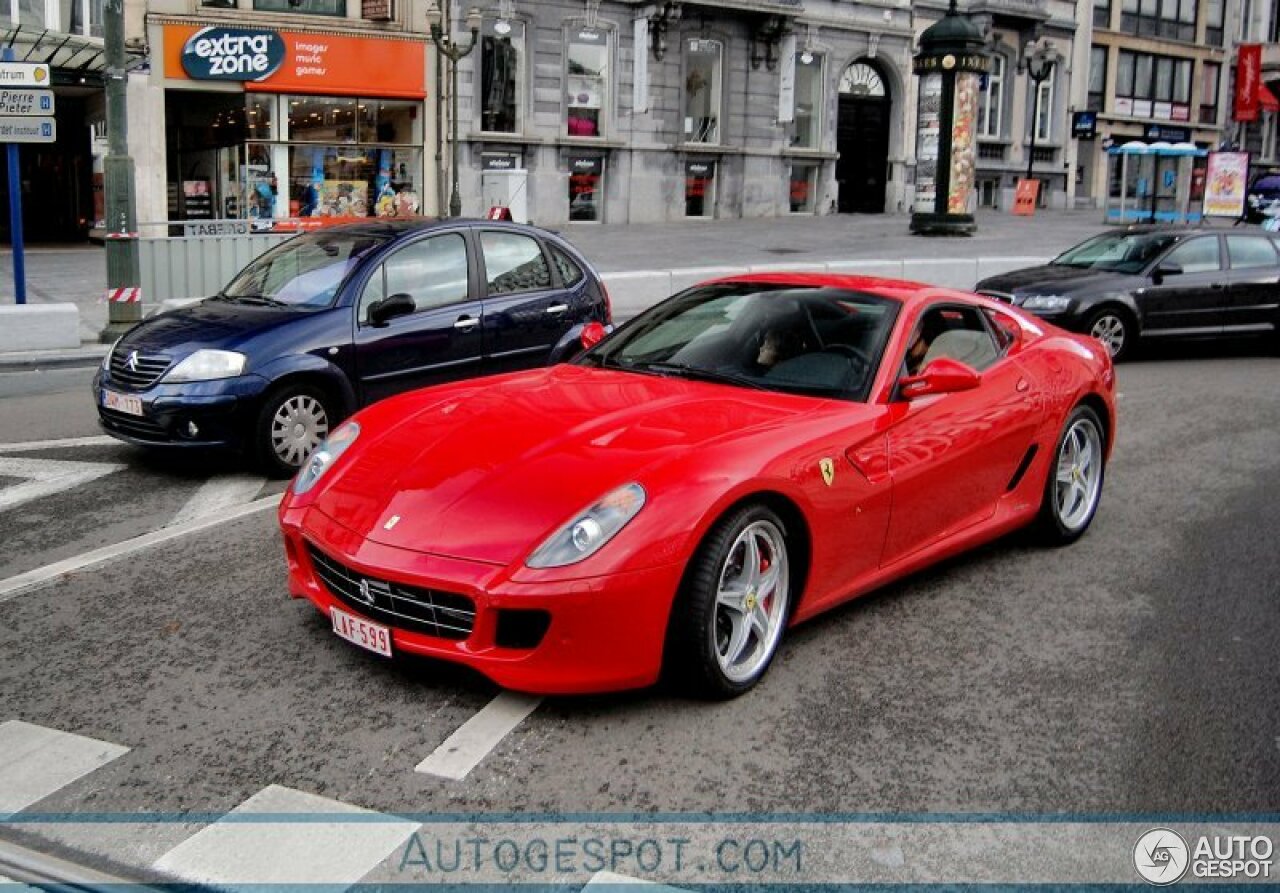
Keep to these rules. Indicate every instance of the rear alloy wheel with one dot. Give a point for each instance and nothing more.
(734, 606)
(292, 423)
(1074, 486)
(1113, 329)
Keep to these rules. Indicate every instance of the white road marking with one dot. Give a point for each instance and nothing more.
(46, 477)
(277, 851)
(16, 585)
(60, 443)
(218, 494)
(621, 881)
(471, 743)
(36, 761)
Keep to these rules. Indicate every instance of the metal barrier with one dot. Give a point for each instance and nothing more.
(197, 266)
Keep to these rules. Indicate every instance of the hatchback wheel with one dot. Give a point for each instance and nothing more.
(1113, 329)
(293, 422)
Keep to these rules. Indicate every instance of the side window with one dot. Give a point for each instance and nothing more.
(570, 273)
(958, 333)
(432, 271)
(1004, 329)
(514, 262)
(1250, 251)
(1199, 255)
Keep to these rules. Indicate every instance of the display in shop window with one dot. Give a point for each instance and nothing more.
(197, 199)
(584, 188)
(699, 188)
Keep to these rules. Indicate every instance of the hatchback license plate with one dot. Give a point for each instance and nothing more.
(122, 402)
(356, 630)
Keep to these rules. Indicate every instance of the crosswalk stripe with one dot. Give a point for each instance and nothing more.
(275, 850)
(217, 494)
(622, 882)
(36, 761)
(58, 443)
(471, 743)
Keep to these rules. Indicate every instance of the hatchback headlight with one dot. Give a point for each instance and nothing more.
(207, 365)
(589, 531)
(1047, 303)
(323, 457)
(106, 357)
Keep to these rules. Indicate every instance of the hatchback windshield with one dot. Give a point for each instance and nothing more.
(305, 271)
(1118, 252)
(810, 340)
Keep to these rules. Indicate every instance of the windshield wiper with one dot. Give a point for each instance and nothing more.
(681, 370)
(262, 300)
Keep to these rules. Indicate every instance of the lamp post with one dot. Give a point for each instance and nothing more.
(1039, 63)
(453, 52)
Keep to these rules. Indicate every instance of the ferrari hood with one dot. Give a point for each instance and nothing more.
(487, 473)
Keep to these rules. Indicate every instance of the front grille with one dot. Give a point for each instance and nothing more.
(142, 373)
(443, 614)
(132, 425)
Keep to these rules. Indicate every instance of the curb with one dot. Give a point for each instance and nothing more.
(24, 361)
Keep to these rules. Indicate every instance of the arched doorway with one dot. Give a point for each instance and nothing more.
(862, 139)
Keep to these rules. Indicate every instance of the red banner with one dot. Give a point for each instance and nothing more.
(1248, 81)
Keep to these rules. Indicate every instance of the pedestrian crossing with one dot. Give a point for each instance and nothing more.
(36, 761)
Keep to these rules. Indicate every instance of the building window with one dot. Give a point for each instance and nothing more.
(1149, 86)
(588, 82)
(802, 196)
(79, 17)
(586, 188)
(805, 129)
(1214, 26)
(1173, 19)
(700, 189)
(1097, 79)
(1210, 74)
(501, 75)
(991, 98)
(310, 7)
(1102, 13)
(702, 85)
(1044, 109)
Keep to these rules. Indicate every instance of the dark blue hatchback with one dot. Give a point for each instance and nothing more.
(333, 320)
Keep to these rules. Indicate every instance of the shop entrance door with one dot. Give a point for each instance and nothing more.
(862, 139)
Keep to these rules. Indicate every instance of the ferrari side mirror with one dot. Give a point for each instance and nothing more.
(942, 376)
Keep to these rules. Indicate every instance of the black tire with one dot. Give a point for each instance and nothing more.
(270, 458)
(1051, 528)
(1110, 317)
(691, 664)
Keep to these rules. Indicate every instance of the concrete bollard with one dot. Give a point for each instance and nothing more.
(39, 327)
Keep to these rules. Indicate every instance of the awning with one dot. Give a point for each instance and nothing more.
(1267, 99)
(71, 56)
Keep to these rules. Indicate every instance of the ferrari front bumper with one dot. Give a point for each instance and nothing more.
(587, 635)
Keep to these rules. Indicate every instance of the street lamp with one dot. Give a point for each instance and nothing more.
(1039, 64)
(453, 52)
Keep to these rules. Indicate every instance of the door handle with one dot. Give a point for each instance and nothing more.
(557, 308)
(466, 323)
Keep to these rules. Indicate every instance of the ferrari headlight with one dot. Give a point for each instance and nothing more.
(1047, 303)
(206, 365)
(323, 457)
(590, 530)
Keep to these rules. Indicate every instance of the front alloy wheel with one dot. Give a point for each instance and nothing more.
(1074, 486)
(734, 606)
(1113, 330)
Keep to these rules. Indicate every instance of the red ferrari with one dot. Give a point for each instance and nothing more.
(737, 459)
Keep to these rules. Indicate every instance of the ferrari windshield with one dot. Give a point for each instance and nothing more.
(780, 337)
(1117, 252)
(305, 271)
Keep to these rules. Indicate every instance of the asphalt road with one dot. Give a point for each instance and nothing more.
(1134, 672)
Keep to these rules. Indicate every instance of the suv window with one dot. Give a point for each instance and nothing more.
(432, 271)
(955, 332)
(1250, 251)
(513, 263)
(570, 273)
(1196, 255)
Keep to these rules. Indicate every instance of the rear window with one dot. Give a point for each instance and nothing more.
(1250, 251)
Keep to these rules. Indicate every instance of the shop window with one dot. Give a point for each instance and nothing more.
(389, 121)
(700, 189)
(991, 98)
(806, 119)
(315, 119)
(310, 7)
(513, 263)
(585, 188)
(261, 191)
(501, 76)
(344, 181)
(259, 112)
(432, 271)
(802, 190)
(587, 82)
(702, 85)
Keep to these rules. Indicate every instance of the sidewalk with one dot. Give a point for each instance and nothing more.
(78, 273)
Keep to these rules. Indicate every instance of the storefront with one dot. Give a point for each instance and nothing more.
(264, 124)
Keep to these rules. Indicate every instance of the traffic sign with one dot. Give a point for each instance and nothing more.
(26, 103)
(27, 130)
(25, 74)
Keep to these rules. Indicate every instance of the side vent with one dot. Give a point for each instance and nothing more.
(1022, 468)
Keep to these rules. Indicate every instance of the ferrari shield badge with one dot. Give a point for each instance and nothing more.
(828, 469)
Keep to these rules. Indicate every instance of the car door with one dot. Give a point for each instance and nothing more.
(1192, 301)
(526, 309)
(1253, 298)
(952, 456)
(441, 340)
